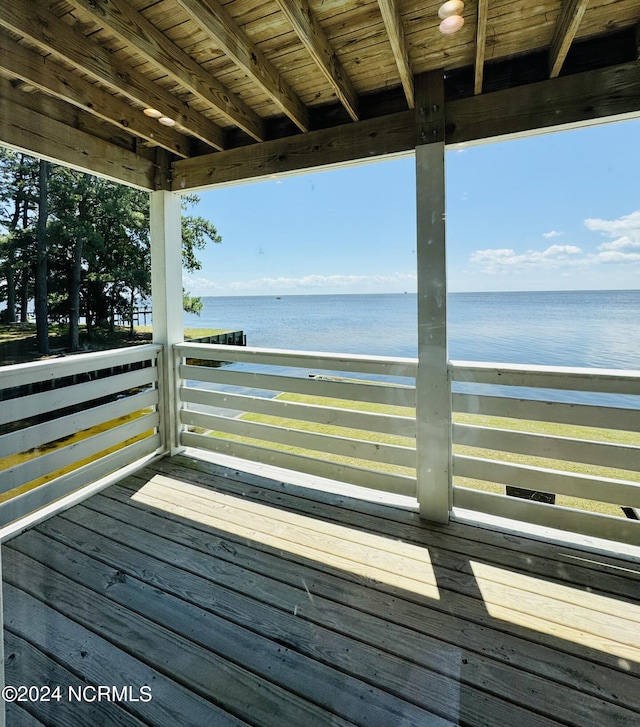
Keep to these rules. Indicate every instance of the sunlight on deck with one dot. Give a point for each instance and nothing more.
(582, 617)
(372, 557)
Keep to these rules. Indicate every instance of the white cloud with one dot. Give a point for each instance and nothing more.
(622, 243)
(500, 260)
(625, 247)
(201, 286)
(614, 256)
(306, 283)
(627, 224)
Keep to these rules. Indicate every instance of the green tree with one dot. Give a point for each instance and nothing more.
(196, 232)
(191, 304)
(18, 203)
(41, 287)
(82, 244)
(102, 230)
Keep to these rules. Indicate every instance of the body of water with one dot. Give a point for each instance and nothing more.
(573, 328)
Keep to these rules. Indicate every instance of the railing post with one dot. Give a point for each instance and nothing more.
(166, 293)
(433, 393)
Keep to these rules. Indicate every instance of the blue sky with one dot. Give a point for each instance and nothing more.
(554, 212)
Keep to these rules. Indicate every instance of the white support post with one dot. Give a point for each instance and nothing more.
(166, 294)
(433, 393)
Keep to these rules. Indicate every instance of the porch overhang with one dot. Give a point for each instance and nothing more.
(249, 92)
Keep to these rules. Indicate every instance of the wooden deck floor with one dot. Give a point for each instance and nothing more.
(239, 600)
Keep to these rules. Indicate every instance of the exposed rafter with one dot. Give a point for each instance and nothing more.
(481, 45)
(133, 28)
(395, 31)
(315, 41)
(356, 140)
(234, 42)
(570, 100)
(28, 125)
(50, 77)
(32, 19)
(565, 31)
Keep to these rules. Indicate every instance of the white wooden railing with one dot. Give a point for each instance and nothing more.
(68, 422)
(307, 412)
(593, 455)
(303, 411)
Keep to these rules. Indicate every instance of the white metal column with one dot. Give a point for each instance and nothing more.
(166, 293)
(433, 395)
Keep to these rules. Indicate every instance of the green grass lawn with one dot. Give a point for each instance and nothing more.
(18, 341)
(191, 333)
(577, 432)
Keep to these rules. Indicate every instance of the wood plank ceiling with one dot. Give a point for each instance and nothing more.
(229, 73)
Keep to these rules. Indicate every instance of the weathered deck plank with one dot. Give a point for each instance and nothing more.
(388, 622)
(100, 662)
(565, 563)
(426, 688)
(244, 600)
(17, 717)
(26, 665)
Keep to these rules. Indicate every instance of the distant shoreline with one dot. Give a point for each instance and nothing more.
(414, 293)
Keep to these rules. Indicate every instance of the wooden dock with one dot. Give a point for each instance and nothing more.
(226, 338)
(245, 601)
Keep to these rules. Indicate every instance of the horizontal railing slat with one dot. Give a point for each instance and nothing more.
(245, 398)
(28, 502)
(609, 381)
(383, 365)
(328, 444)
(398, 484)
(33, 437)
(585, 415)
(34, 371)
(602, 454)
(47, 401)
(77, 451)
(375, 393)
(552, 516)
(616, 492)
(368, 421)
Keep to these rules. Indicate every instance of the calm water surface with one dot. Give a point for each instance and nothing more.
(581, 328)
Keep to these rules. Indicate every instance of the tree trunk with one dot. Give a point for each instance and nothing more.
(132, 302)
(74, 297)
(10, 266)
(42, 312)
(11, 285)
(24, 288)
(88, 314)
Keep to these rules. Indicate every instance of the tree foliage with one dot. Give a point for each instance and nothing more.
(97, 242)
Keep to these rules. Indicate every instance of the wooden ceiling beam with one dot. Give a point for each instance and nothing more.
(32, 19)
(395, 31)
(134, 29)
(30, 128)
(570, 101)
(312, 36)
(51, 78)
(565, 31)
(354, 141)
(227, 35)
(481, 44)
